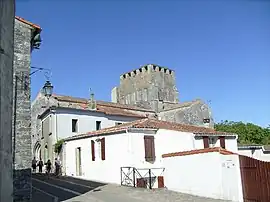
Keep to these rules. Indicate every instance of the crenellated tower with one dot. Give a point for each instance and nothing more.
(147, 87)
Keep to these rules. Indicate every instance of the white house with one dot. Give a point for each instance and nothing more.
(259, 152)
(136, 150)
(212, 172)
(64, 118)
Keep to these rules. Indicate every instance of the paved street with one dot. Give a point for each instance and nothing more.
(75, 190)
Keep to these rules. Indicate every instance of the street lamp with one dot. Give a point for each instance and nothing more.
(47, 89)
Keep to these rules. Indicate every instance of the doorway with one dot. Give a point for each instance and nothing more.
(78, 161)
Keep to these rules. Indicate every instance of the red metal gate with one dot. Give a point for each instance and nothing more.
(255, 179)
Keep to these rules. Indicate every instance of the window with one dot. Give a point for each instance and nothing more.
(93, 150)
(74, 125)
(149, 146)
(205, 142)
(102, 149)
(118, 123)
(98, 125)
(222, 142)
(212, 141)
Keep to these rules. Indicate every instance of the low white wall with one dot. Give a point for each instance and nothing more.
(209, 175)
(256, 154)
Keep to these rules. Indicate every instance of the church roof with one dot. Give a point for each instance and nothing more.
(28, 22)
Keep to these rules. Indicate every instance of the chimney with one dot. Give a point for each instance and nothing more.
(114, 95)
(92, 102)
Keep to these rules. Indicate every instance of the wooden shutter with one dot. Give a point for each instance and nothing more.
(93, 149)
(222, 142)
(160, 182)
(205, 142)
(149, 147)
(103, 148)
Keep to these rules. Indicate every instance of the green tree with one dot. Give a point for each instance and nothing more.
(58, 146)
(248, 133)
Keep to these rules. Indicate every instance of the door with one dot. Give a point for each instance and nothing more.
(78, 162)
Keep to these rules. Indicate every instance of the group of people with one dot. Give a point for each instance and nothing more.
(48, 165)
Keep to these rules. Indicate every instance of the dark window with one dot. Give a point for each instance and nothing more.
(98, 125)
(206, 120)
(205, 142)
(149, 146)
(222, 142)
(102, 148)
(93, 150)
(118, 123)
(74, 125)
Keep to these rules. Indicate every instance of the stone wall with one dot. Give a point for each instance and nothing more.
(146, 85)
(7, 12)
(192, 113)
(22, 117)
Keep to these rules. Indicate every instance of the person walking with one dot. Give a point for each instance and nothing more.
(57, 167)
(40, 165)
(34, 164)
(48, 167)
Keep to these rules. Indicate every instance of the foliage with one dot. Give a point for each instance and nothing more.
(247, 133)
(58, 146)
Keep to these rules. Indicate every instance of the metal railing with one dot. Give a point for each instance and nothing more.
(140, 177)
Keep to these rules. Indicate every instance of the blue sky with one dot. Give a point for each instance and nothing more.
(220, 50)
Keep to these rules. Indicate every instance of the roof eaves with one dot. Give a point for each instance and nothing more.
(84, 136)
(28, 23)
(214, 134)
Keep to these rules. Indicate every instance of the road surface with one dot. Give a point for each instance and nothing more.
(59, 189)
(76, 190)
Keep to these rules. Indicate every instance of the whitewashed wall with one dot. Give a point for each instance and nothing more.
(86, 121)
(126, 149)
(209, 175)
(256, 154)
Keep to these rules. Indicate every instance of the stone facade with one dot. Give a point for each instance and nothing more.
(24, 33)
(147, 87)
(7, 12)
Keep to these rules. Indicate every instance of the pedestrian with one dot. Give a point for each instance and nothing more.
(57, 167)
(48, 166)
(40, 165)
(34, 164)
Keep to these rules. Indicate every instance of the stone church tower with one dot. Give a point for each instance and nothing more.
(151, 87)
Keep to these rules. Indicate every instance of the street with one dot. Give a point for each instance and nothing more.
(59, 189)
(76, 190)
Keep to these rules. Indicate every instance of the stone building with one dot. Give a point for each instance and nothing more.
(7, 10)
(26, 39)
(130, 99)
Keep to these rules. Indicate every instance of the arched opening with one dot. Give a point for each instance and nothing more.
(37, 150)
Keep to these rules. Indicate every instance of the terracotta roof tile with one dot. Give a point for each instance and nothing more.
(28, 23)
(99, 103)
(149, 123)
(199, 151)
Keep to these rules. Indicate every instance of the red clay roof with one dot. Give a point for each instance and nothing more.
(149, 123)
(84, 101)
(28, 23)
(199, 151)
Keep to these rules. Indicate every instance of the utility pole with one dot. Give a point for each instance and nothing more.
(7, 18)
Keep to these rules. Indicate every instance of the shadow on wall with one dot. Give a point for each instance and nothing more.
(22, 185)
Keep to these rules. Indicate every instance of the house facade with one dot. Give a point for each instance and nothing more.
(62, 118)
(259, 152)
(138, 145)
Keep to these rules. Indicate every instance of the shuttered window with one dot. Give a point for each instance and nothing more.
(149, 146)
(93, 149)
(222, 142)
(103, 149)
(205, 142)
